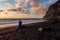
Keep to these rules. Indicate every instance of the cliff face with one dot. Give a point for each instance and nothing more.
(53, 11)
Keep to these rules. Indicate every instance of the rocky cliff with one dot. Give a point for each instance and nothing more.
(53, 11)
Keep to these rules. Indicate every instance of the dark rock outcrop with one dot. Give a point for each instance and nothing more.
(53, 15)
(53, 11)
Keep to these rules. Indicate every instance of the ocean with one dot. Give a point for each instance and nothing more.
(17, 21)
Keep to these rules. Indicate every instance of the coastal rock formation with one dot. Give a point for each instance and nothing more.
(53, 15)
(53, 11)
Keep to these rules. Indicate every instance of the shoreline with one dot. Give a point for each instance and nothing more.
(29, 30)
(7, 28)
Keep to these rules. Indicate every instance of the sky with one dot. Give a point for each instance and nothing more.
(13, 2)
(34, 6)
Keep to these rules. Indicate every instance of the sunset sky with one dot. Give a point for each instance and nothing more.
(14, 2)
(34, 6)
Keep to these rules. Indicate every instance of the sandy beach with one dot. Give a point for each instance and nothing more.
(30, 31)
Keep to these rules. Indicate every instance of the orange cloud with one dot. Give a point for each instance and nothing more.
(26, 1)
(8, 6)
(18, 6)
(36, 10)
(39, 10)
(35, 3)
(32, 3)
(18, 1)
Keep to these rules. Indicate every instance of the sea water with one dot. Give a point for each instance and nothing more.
(17, 21)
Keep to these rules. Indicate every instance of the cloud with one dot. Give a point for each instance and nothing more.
(2, 7)
(18, 6)
(35, 3)
(26, 2)
(18, 1)
(38, 8)
(45, 6)
(51, 1)
(3, 0)
(8, 6)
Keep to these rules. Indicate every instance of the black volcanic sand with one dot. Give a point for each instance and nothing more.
(31, 32)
